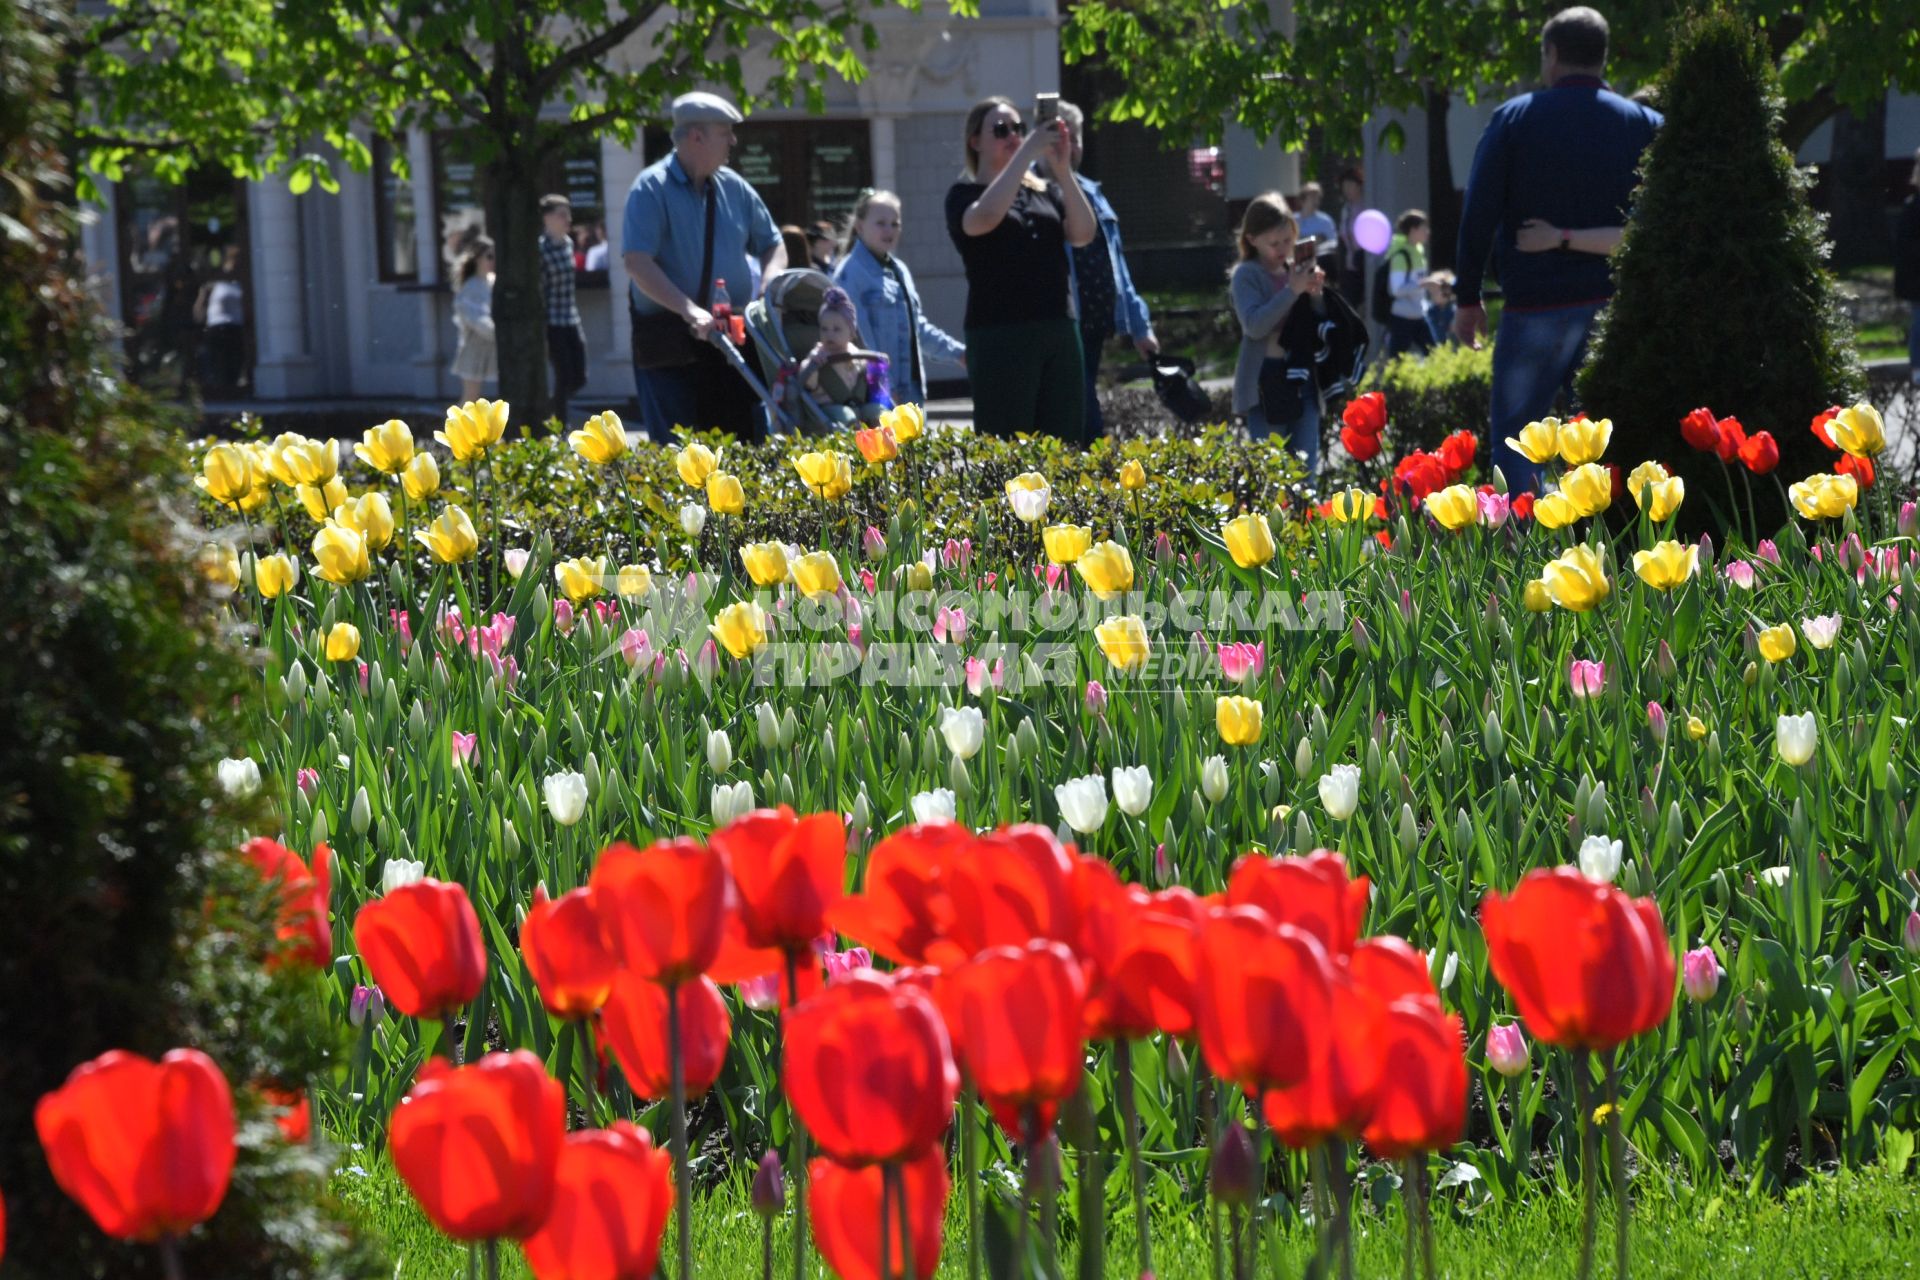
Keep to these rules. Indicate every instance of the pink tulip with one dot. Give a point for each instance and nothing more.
(635, 647)
(1162, 548)
(950, 625)
(976, 669)
(1700, 974)
(463, 747)
(1910, 936)
(1907, 524)
(563, 617)
(1055, 573)
(1740, 574)
(448, 627)
(706, 663)
(1096, 698)
(868, 581)
(957, 555)
(762, 992)
(1587, 679)
(402, 623)
(308, 780)
(841, 963)
(1494, 509)
(874, 543)
(366, 676)
(1241, 661)
(1657, 722)
(1767, 551)
(1507, 1050)
(1162, 865)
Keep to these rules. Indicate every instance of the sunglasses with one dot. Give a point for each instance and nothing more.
(1010, 129)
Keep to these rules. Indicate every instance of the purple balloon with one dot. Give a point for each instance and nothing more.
(1372, 231)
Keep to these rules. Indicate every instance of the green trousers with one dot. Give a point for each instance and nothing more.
(1028, 377)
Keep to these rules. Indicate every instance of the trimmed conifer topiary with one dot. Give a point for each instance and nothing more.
(1722, 299)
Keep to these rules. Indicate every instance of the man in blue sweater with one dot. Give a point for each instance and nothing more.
(1548, 197)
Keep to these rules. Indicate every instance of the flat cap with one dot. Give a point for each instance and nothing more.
(704, 108)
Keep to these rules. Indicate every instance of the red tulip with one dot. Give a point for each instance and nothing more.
(422, 945)
(1391, 969)
(1421, 474)
(845, 1209)
(1366, 413)
(1522, 506)
(1422, 1103)
(868, 1067)
(635, 1023)
(664, 908)
(1861, 469)
(1732, 437)
(1138, 951)
(146, 1148)
(1701, 430)
(905, 912)
(477, 1145)
(305, 934)
(612, 1191)
(1457, 451)
(1011, 888)
(1760, 452)
(1311, 893)
(1018, 1013)
(565, 953)
(1336, 1098)
(296, 1116)
(1363, 447)
(1262, 1000)
(1587, 966)
(787, 873)
(1819, 426)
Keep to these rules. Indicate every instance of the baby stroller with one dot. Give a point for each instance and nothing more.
(785, 323)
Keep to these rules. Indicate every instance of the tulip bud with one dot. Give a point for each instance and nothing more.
(789, 729)
(1742, 1015)
(1303, 758)
(1908, 522)
(767, 726)
(958, 778)
(1845, 981)
(1213, 779)
(1407, 833)
(874, 543)
(719, 751)
(1362, 640)
(1910, 935)
(1507, 1050)
(1231, 1171)
(1494, 737)
(1700, 974)
(1712, 752)
(362, 812)
(769, 1196)
(318, 834)
(1162, 865)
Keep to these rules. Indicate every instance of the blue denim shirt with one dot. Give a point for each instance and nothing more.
(1129, 308)
(887, 309)
(667, 219)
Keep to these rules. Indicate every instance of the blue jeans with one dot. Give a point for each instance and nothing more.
(1534, 356)
(1302, 435)
(703, 395)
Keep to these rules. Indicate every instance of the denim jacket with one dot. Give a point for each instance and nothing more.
(887, 309)
(1129, 308)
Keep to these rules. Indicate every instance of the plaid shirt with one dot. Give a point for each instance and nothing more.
(556, 282)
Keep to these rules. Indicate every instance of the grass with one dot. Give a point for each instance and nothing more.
(1861, 1226)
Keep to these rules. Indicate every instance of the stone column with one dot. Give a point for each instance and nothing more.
(283, 366)
(885, 153)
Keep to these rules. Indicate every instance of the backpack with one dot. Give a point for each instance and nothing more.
(1380, 302)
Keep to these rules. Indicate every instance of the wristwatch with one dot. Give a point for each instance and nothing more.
(1566, 238)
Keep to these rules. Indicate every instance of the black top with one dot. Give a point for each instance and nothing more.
(1018, 271)
(1093, 273)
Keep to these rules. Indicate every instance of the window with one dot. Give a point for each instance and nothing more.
(460, 203)
(805, 170)
(394, 219)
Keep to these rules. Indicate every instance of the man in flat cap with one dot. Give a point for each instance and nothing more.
(690, 224)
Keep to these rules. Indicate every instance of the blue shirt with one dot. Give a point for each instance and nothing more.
(667, 219)
(886, 308)
(1569, 155)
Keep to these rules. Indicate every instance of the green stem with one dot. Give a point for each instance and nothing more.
(493, 1260)
(589, 1063)
(683, 1171)
(898, 1173)
(1123, 1063)
(1617, 1162)
(1589, 1180)
(970, 1171)
(797, 1168)
(170, 1258)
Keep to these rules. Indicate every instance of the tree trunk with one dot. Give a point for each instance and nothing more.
(1856, 186)
(519, 308)
(1443, 198)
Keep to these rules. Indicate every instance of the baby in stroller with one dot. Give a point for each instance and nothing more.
(848, 384)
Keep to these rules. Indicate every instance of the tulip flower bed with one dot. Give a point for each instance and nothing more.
(1030, 828)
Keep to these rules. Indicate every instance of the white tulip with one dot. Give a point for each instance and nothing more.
(398, 873)
(1083, 802)
(1132, 789)
(731, 802)
(693, 518)
(1599, 859)
(1821, 631)
(933, 806)
(1213, 779)
(719, 751)
(516, 560)
(965, 730)
(1776, 876)
(566, 796)
(1340, 791)
(1449, 970)
(1794, 737)
(239, 778)
(768, 726)
(1030, 505)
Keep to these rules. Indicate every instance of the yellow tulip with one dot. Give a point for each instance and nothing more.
(1777, 643)
(1696, 728)
(1455, 507)
(1107, 570)
(906, 421)
(1577, 580)
(1824, 497)
(1583, 440)
(421, 479)
(1066, 543)
(387, 447)
(219, 564)
(473, 428)
(1029, 495)
(343, 642)
(725, 495)
(276, 575)
(258, 496)
(1249, 539)
(919, 576)
(765, 562)
(340, 555)
(1640, 477)
(1537, 441)
(452, 538)
(1555, 510)
(1536, 597)
(294, 460)
(320, 500)
(817, 574)
(635, 580)
(1132, 475)
(1589, 487)
(1661, 498)
(1238, 719)
(370, 517)
(1859, 431)
(827, 475)
(602, 440)
(1667, 564)
(1124, 640)
(876, 444)
(1350, 505)
(740, 629)
(581, 578)
(694, 463)
(226, 473)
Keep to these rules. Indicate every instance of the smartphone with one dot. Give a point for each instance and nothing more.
(1046, 107)
(1307, 252)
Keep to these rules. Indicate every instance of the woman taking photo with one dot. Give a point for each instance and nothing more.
(885, 302)
(1274, 294)
(1012, 231)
